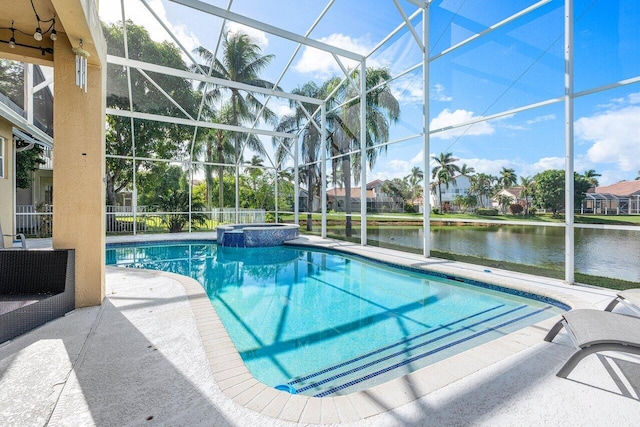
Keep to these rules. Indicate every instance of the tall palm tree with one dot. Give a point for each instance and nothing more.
(444, 171)
(591, 176)
(526, 191)
(482, 187)
(310, 140)
(242, 62)
(508, 178)
(382, 109)
(415, 181)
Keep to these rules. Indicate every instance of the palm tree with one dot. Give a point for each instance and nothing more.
(443, 172)
(242, 62)
(310, 140)
(415, 181)
(382, 109)
(590, 175)
(508, 178)
(467, 170)
(482, 187)
(526, 191)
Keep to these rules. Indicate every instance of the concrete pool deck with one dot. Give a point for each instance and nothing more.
(153, 353)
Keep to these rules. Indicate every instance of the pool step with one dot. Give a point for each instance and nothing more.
(412, 353)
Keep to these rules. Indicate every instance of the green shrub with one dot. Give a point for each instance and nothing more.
(487, 211)
(435, 211)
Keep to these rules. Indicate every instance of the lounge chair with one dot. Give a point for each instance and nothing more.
(13, 237)
(629, 298)
(593, 331)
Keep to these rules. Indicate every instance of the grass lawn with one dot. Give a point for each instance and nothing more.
(452, 217)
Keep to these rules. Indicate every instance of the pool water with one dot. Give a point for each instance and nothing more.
(323, 323)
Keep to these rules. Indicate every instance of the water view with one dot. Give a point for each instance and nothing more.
(608, 253)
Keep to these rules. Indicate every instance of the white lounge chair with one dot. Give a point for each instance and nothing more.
(629, 298)
(593, 331)
(19, 236)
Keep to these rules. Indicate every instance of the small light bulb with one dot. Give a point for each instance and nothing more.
(38, 34)
(54, 35)
(12, 43)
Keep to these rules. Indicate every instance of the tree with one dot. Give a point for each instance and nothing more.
(152, 138)
(550, 190)
(176, 205)
(310, 140)
(242, 62)
(382, 109)
(415, 182)
(508, 178)
(443, 172)
(638, 177)
(466, 170)
(504, 201)
(482, 187)
(527, 189)
(398, 189)
(591, 176)
(466, 202)
(27, 161)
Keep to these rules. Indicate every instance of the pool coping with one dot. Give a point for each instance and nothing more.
(238, 384)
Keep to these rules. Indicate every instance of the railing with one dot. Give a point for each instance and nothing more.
(245, 216)
(148, 219)
(34, 220)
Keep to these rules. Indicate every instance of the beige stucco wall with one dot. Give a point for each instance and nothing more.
(79, 170)
(6, 182)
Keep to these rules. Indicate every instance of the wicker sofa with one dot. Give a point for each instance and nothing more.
(36, 286)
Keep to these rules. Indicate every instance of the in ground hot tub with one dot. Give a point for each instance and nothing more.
(255, 235)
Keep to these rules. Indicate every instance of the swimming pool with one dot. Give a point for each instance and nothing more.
(321, 323)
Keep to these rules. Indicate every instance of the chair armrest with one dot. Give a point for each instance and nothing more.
(23, 240)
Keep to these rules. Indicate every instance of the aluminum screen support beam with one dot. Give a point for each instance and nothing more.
(363, 153)
(225, 14)
(323, 156)
(426, 174)
(569, 187)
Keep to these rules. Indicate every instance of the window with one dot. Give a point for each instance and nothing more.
(2, 157)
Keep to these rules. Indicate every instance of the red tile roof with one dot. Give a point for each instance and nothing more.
(622, 188)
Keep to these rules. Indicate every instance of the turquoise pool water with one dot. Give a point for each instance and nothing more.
(323, 323)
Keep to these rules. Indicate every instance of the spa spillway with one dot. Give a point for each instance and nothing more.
(255, 235)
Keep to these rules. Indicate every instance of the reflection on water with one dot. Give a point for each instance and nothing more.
(608, 253)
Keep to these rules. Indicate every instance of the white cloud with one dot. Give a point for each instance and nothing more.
(321, 64)
(437, 93)
(614, 134)
(258, 37)
(448, 118)
(140, 15)
(407, 89)
(418, 158)
(539, 119)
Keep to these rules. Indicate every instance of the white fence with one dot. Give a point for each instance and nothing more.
(34, 221)
(120, 219)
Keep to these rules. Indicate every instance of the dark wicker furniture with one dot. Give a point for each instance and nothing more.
(36, 286)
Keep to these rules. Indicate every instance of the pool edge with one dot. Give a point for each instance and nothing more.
(236, 382)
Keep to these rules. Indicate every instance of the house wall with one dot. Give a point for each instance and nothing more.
(6, 182)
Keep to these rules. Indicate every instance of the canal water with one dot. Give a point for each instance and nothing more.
(608, 253)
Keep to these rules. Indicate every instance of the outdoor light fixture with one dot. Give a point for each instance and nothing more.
(81, 66)
(38, 34)
(12, 40)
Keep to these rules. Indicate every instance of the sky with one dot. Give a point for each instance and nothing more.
(519, 64)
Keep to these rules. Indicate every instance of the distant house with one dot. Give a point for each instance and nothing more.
(620, 198)
(459, 186)
(514, 193)
(377, 200)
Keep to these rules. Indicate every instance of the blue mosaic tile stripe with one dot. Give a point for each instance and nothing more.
(404, 351)
(423, 355)
(380, 350)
